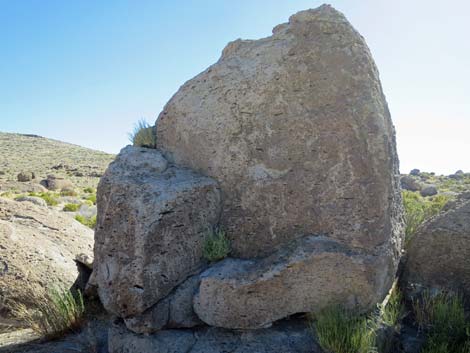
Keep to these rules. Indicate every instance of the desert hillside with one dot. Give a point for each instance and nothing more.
(43, 156)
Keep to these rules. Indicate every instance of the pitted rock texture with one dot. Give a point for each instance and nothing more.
(438, 254)
(152, 220)
(305, 276)
(38, 247)
(283, 337)
(174, 311)
(296, 130)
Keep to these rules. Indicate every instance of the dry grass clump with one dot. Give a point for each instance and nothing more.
(52, 314)
(143, 135)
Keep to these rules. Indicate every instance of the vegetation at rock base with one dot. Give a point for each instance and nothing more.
(91, 198)
(89, 190)
(216, 246)
(89, 222)
(393, 310)
(418, 209)
(442, 317)
(71, 207)
(342, 331)
(49, 197)
(54, 313)
(143, 135)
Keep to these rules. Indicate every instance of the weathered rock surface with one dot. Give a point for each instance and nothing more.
(152, 220)
(25, 176)
(410, 183)
(33, 199)
(284, 337)
(428, 190)
(54, 182)
(37, 250)
(175, 311)
(305, 276)
(438, 254)
(296, 130)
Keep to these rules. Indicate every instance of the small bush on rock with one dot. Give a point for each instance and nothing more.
(216, 246)
(143, 135)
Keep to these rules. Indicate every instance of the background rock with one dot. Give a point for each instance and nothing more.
(438, 254)
(428, 190)
(37, 250)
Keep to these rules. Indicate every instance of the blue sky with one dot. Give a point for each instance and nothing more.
(85, 71)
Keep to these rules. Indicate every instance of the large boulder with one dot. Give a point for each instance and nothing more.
(438, 254)
(38, 248)
(152, 220)
(296, 130)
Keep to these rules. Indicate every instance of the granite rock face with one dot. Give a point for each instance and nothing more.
(152, 220)
(438, 254)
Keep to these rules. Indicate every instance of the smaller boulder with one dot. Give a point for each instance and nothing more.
(33, 199)
(409, 183)
(438, 254)
(428, 190)
(54, 182)
(25, 176)
(415, 172)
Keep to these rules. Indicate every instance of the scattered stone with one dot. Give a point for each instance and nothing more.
(428, 190)
(410, 183)
(36, 200)
(152, 222)
(54, 182)
(438, 254)
(415, 172)
(25, 176)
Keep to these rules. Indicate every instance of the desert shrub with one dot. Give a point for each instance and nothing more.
(143, 135)
(216, 246)
(71, 207)
(91, 198)
(50, 198)
(89, 222)
(68, 192)
(54, 314)
(89, 190)
(418, 209)
(342, 331)
(442, 317)
(392, 312)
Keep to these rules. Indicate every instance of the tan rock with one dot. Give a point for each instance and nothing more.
(152, 221)
(37, 250)
(296, 130)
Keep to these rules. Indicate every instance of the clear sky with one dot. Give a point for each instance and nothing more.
(85, 71)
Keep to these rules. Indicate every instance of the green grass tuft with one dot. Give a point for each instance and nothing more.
(342, 331)
(50, 198)
(144, 135)
(418, 209)
(89, 222)
(91, 198)
(216, 246)
(54, 314)
(71, 207)
(89, 190)
(393, 311)
(442, 318)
